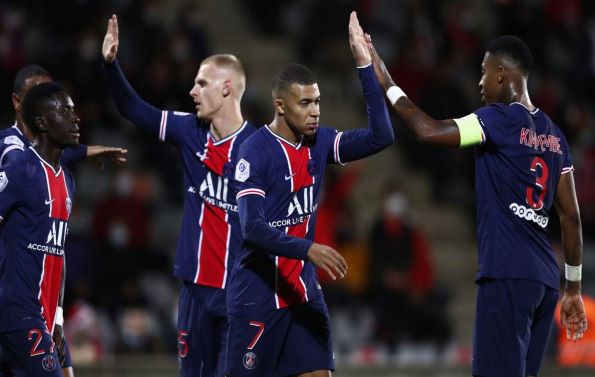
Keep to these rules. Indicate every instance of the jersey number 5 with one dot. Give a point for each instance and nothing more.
(541, 176)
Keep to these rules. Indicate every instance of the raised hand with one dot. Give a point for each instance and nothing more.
(111, 40)
(357, 42)
(328, 259)
(100, 154)
(573, 316)
(384, 78)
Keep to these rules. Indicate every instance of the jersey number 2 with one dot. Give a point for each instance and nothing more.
(540, 183)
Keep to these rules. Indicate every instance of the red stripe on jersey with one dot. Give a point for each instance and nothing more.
(58, 199)
(213, 248)
(297, 161)
(49, 288)
(291, 290)
(217, 154)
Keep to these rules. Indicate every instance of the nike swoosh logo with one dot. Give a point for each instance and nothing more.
(49, 201)
(288, 177)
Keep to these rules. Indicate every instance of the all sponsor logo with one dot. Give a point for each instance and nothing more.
(250, 360)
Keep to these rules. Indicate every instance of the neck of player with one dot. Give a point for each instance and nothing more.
(226, 122)
(24, 129)
(280, 127)
(49, 151)
(518, 93)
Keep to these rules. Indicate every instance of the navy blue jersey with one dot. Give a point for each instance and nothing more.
(35, 204)
(518, 167)
(210, 233)
(279, 192)
(12, 142)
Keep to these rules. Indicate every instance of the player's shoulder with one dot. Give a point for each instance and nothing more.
(325, 132)
(10, 136)
(257, 137)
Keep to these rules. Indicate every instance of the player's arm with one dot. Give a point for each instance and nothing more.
(356, 144)
(58, 336)
(97, 153)
(257, 232)
(572, 311)
(449, 132)
(128, 102)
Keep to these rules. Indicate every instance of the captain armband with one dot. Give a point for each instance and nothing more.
(573, 273)
(470, 130)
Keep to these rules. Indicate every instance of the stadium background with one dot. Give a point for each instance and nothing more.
(120, 298)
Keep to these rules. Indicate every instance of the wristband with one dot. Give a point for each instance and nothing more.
(59, 316)
(573, 273)
(394, 93)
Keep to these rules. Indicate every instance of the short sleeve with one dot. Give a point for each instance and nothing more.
(493, 120)
(173, 124)
(250, 171)
(11, 188)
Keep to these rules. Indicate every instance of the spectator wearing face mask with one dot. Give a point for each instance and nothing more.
(402, 283)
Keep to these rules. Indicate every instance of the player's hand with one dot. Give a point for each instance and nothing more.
(573, 316)
(384, 78)
(328, 259)
(60, 343)
(100, 154)
(111, 40)
(357, 42)
(68, 372)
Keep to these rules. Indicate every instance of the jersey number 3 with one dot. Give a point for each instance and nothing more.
(541, 171)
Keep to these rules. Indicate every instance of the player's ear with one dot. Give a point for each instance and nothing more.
(226, 88)
(40, 124)
(16, 101)
(501, 74)
(279, 106)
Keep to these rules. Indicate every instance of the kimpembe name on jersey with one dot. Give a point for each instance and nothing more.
(544, 142)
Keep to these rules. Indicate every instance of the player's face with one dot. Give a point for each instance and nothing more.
(29, 83)
(301, 105)
(490, 80)
(209, 91)
(62, 122)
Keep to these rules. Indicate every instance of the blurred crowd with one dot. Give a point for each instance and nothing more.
(120, 295)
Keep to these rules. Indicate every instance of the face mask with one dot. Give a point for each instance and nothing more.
(395, 205)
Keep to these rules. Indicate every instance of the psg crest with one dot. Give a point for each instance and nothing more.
(49, 363)
(250, 360)
(3, 181)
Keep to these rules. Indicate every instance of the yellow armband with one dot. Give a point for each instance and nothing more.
(470, 130)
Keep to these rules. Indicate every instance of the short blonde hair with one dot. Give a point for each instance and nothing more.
(232, 63)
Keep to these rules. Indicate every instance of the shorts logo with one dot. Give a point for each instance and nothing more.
(250, 360)
(49, 363)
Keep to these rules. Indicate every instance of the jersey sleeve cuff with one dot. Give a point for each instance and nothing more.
(250, 191)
